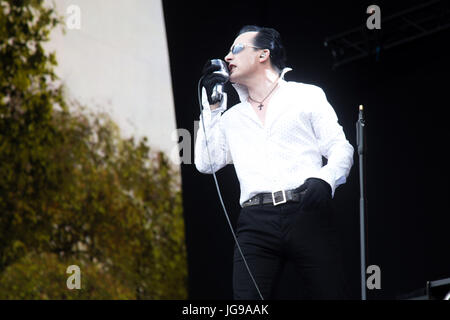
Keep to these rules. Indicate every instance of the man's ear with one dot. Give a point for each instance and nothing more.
(265, 54)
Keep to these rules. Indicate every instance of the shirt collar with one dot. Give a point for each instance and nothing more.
(243, 91)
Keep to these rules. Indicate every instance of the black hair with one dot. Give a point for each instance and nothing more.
(268, 38)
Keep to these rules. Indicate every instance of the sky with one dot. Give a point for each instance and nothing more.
(114, 58)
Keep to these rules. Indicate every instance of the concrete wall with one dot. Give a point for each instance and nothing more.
(117, 61)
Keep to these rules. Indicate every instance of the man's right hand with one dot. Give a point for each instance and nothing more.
(209, 81)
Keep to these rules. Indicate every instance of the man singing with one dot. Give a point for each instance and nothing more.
(276, 137)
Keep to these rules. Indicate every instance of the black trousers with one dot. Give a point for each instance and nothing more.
(270, 235)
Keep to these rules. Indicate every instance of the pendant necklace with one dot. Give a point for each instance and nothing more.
(261, 103)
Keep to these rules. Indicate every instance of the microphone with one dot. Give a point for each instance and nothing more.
(217, 92)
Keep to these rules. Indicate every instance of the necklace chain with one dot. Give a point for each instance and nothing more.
(261, 103)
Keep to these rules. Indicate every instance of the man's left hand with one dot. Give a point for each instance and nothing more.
(318, 193)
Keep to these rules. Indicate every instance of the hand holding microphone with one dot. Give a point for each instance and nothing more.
(215, 75)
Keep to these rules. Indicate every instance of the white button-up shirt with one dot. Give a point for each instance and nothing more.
(300, 127)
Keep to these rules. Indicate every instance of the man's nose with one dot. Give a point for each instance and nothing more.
(228, 57)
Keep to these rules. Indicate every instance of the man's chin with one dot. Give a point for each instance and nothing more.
(234, 80)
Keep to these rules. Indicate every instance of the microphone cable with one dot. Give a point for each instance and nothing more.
(218, 190)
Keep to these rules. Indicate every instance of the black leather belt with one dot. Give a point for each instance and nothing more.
(275, 198)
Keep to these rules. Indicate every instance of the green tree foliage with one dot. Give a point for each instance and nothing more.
(72, 190)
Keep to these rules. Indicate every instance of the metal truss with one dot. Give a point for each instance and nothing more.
(405, 26)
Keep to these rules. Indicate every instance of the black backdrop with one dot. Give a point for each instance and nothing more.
(405, 98)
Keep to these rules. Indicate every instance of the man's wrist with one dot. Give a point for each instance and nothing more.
(214, 106)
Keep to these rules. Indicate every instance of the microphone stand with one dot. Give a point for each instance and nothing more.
(360, 142)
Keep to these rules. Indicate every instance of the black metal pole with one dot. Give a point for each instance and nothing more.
(360, 142)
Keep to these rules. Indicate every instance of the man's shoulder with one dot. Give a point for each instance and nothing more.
(304, 88)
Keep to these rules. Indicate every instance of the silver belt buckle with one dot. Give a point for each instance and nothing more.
(276, 194)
